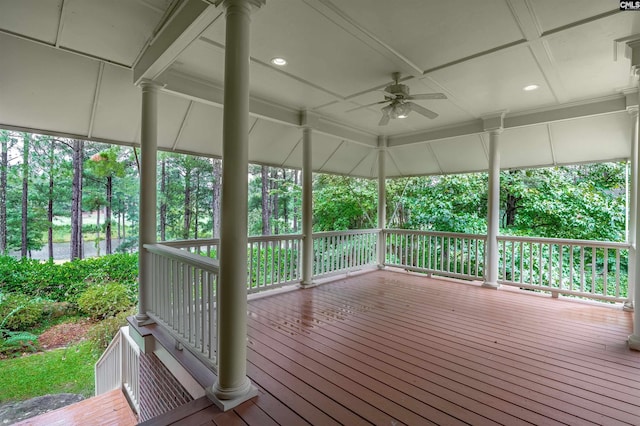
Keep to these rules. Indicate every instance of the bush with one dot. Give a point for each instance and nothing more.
(102, 333)
(66, 281)
(104, 300)
(19, 312)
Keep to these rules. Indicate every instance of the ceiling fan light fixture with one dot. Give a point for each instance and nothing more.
(400, 110)
(279, 61)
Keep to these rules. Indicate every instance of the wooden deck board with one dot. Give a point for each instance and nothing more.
(108, 409)
(396, 348)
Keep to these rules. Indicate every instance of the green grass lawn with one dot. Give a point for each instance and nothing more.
(65, 370)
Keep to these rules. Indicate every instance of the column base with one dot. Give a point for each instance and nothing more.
(628, 306)
(490, 285)
(143, 319)
(380, 266)
(634, 342)
(228, 399)
(307, 284)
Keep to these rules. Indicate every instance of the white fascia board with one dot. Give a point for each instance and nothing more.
(565, 112)
(568, 112)
(184, 26)
(469, 128)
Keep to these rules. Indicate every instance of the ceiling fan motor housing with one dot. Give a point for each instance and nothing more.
(398, 89)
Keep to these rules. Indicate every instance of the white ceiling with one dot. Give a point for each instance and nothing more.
(69, 67)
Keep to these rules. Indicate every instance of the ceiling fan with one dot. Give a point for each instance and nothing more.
(399, 102)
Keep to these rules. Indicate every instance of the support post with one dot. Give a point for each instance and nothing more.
(634, 339)
(382, 200)
(147, 207)
(494, 126)
(632, 211)
(233, 386)
(307, 209)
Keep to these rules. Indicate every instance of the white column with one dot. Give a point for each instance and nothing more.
(382, 199)
(307, 209)
(147, 207)
(233, 386)
(632, 211)
(634, 339)
(493, 214)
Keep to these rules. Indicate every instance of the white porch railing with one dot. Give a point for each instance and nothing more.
(592, 269)
(272, 260)
(184, 298)
(119, 367)
(442, 253)
(344, 251)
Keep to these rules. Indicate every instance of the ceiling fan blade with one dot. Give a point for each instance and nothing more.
(388, 94)
(428, 96)
(366, 106)
(422, 110)
(385, 116)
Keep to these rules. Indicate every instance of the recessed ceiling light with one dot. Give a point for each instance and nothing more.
(530, 87)
(279, 61)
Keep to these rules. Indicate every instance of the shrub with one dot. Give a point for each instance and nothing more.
(104, 300)
(66, 281)
(19, 312)
(102, 333)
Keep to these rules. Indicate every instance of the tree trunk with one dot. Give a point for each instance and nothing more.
(196, 212)
(25, 195)
(76, 200)
(107, 215)
(266, 229)
(295, 202)
(98, 234)
(50, 201)
(163, 200)
(187, 205)
(510, 210)
(217, 184)
(285, 204)
(4, 164)
(275, 202)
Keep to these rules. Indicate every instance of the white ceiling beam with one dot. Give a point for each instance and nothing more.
(205, 92)
(96, 97)
(186, 24)
(531, 29)
(344, 21)
(565, 112)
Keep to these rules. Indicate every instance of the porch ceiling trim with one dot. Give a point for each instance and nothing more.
(566, 112)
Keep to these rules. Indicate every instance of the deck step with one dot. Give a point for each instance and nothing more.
(110, 408)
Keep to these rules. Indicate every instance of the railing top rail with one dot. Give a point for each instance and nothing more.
(191, 243)
(280, 237)
(436, 233)
(589, 243)
(115, 342)
(202, 262)
(348, 232)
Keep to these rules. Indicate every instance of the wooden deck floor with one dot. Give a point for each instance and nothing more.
(108, 409)
(391, 348)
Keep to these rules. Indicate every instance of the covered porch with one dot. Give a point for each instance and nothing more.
(150, 73)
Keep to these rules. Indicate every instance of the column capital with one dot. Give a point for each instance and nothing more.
(227, 3)
(309, 119)
(382, 142)
(494, 122)
(150, 85)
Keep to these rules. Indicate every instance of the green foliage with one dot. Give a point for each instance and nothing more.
(104, 300)
(19, 312)
(101, 334)
(58, 371)
(64, 282)
(342, 203)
